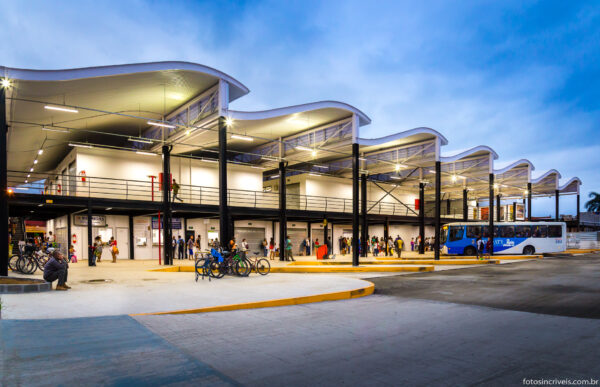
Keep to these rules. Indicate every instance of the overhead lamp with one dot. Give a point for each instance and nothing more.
(29, 175)
(40, 151)
(240, 137)
(140, 139)
(187, 132)
(431, 171)
(145, 153)
(257, 167)
(80, 145)
(314, 153)
(314, 174)
(454, 178)
(62, 109)
(161, 124)
(303, 148)
(209, 160)
(397, 167)
(526, 192)
(395, 177)
(31, 169)
(228, 121)
(25, 181)
(321, 166)
(362, 158)
(5, 83)
(35, 161)
(269, 158)
(495, 186)
(60, 130)
(108, 208)
(41, 205)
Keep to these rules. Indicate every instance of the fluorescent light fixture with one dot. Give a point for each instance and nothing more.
(314, 153)
(321, 166)
(274, 176)
(303, 148)
(161, 124)
(315, 174)
(109, 208)
(40, 205)
(495, 186)
(257, 167)
(228, 121)
(30, 169)
(145, 153)
(59, 130)
(28, 176)
(62, 109)
(40, 151)
(362, 158)
(25, 181)
(395, 177)
(398, 166)
(5, 83)
(80, 145)
(270, 158)
(140, 139)
(23, 188)
(210, 160)
(240, 137)
(454, 178)
(35, 161)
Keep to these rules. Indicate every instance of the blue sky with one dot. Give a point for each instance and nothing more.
(522, 77)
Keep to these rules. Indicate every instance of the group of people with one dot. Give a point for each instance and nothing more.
(183, 248)
(377, 246)
(98, 248)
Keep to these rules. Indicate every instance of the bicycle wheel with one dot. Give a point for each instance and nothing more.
(216, 269)
(25, 265)
(199, 268)
(242, 267)
(263, 267)
(12, 262)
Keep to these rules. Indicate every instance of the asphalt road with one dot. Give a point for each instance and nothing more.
(562, 286)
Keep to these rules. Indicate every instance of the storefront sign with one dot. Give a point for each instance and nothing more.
(175, 223)
(97, 220)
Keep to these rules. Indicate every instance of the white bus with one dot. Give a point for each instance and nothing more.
(509, 237)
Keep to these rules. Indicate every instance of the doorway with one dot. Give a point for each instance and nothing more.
(123, 242)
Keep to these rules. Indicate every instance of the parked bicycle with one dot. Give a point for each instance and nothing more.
(259, 264)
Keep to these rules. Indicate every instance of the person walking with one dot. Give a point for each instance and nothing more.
(488, 246)
(98, 245)
(399, 244)
(114, 250)
(190, 247)
(288, 249)
(479, 245)
(175, 187)
(174, 246)
(180, 248)
(272, 249)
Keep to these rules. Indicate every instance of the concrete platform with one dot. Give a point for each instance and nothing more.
(404, 262)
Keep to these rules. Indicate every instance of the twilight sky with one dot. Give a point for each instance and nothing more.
(521, 77)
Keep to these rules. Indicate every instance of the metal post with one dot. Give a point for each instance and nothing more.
(131, 239)
(578, 211)
(167, 250)
(491, 214)
(365, 221)
(529, 201)
(557, 198)
(3, 186)
(282, 210)
(438, 194)
(69, 235)
(90, 236)
(514, 211)
(422, 218)
(448, 207)
(498, 208)
(355, 194)
(386, 234)
(465, 205)
(223, 204)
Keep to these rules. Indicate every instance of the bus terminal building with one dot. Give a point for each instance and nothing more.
(94, 151)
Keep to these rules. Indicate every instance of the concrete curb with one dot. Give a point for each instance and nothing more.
(343, 295)
(404, 262)
(320, 269)
(463, 257)
(33, 286)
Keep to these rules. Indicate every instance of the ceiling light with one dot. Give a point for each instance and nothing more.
(228, 121)
(526, 192)
(398, 166)
(314, 174)
(161, 124)
(257, 167)
(28, 175)
(431, 171)
(395, 177)
(303, 148)
(30, 169)
(187, 132)
(40, 205)
(175, 96)
(35, 161)
(40, 151)
(314, 153)
(321, 166)
(109, 208)
(62, 109)
(454, 178)
(495, 186)
(5, 83)
(55, 129)
(362, 158)
(25, 181)
(80, 145)
(140, 139)
(240, 137)
(270, 158)
(145, 153)
(274, 176)
(210, 160)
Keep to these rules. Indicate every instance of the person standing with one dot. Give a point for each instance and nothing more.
(265, 246)
(98, 245)
(412, 244)
(307, 246)
(479, 247)
(288, 249)
(190, 247)
(488, 246)
(399, 243)
(113, 249)
(272, 249)
(180, 248)
(175, 187)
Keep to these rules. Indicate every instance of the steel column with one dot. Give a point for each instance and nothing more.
(131, 239)
(69, 237)
(438, 195)
(3, 185)
(365, 222)
(90, 236)
(386, 234)
(578, 211)
(422, 218)
(465, 205)
(448, 207)
(529, 201)
(282, 210)
(166, 215)
(514, 219)
(355, 196)
(224, 231)
(491, 214)
(498, 208)
(557, 198)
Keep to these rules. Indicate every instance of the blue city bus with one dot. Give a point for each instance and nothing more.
(509, 237)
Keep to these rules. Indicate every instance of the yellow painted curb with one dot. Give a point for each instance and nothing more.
(403, 262)
(350, 269)
(463, 257)
(581, 251)
(343, 295)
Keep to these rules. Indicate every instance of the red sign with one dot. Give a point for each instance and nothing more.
(417, 204)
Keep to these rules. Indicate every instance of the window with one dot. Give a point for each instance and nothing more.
(523, 231)
(456, 233)
(473, 231)
(495, 231)
(539, 231)
(507, 231)
(554, 231)
(444, 234)
(485, 231)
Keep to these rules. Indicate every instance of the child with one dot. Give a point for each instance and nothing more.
(72, 256)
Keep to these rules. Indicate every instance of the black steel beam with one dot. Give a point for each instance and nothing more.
(131, 239)
(578, 212)
(386, 234)
(422, 218)
(491, 214)
(3, 185)
(69, 235)
(557, 198)
(498, 208)
(282, 210)
(529, 194)
(514, 211)
(465, 205)
(365, 221)
(438, 198)
(90, 236)
(224, 221)
(166, 206)
(355, 197)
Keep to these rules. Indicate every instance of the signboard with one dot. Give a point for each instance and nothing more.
(97, 220)
(520, 212)
(484, 213)
(35, 226)
(417, 204)
(175, 223)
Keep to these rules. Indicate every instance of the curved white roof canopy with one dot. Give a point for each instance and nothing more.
(408, 136)
(473, 152)
(571, 186)
(517, 164)
(545, 175)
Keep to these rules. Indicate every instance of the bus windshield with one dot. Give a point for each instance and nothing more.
(444, 235)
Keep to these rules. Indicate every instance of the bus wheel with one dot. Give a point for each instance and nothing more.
(470, 250)
(528, 250)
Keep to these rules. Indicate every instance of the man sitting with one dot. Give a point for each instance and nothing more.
(56, 269)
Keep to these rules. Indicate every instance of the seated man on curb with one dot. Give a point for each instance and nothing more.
(56, 269)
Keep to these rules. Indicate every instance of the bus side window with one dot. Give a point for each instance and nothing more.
(523, 231)
(554, 231)
(473, 231)
(540, 231)
(485, 231)
(456, 233)
(495, 231)
(507, 231)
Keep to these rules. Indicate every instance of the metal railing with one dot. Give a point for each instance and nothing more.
(127, 189)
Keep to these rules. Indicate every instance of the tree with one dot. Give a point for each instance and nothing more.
(593, 205)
